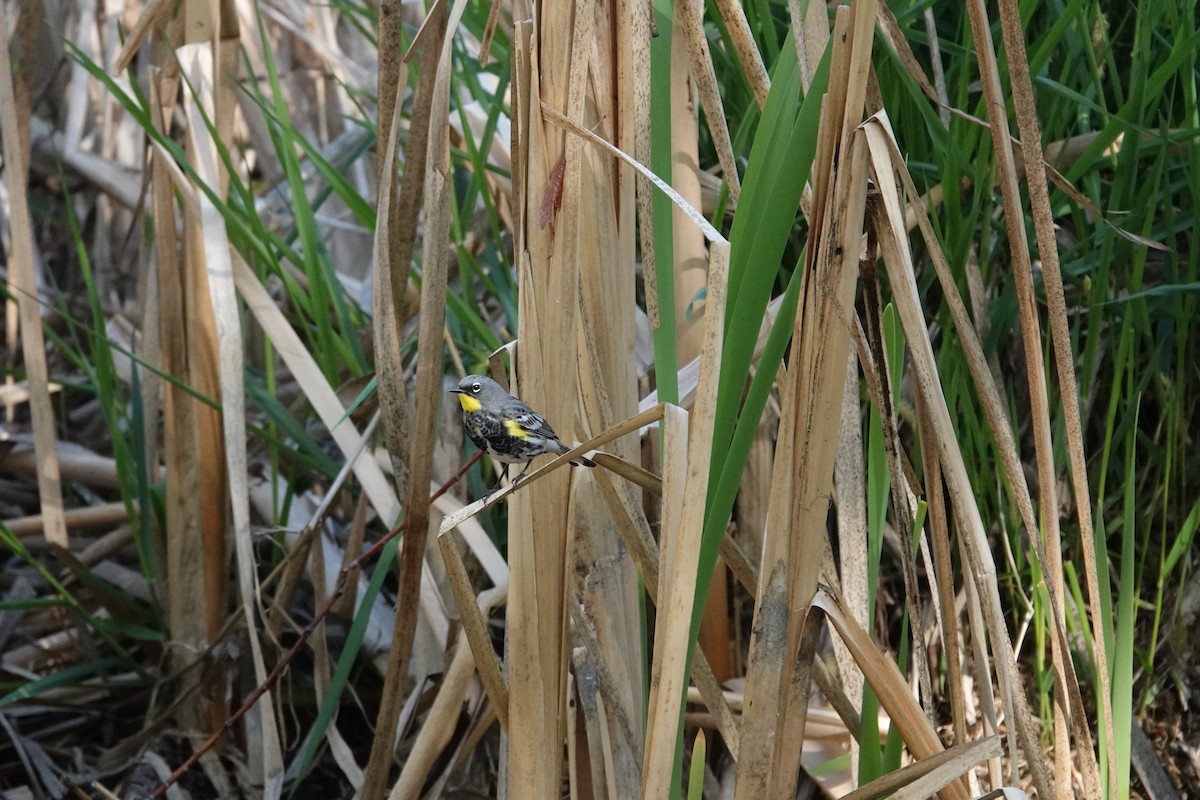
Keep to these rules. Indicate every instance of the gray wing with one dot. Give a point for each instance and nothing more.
(535, 424)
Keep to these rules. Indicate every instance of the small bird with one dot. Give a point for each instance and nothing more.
(504, 427)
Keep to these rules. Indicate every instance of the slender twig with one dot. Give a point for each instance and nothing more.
(339, 588)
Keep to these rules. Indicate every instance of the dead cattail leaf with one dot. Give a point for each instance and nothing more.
(24, 286)
(888, 223)
(890, 687)
(474, 625)
(676, 593)
(929, 775)
(216, 258)
(811, 396)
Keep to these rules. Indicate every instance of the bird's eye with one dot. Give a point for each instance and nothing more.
(475, 387)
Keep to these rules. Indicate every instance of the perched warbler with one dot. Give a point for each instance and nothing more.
(505, 428)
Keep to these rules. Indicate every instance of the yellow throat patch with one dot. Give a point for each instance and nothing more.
(469, 403)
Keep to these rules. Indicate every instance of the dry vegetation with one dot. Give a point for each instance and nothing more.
(858, 413)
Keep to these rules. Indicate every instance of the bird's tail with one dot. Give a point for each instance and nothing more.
(582, 461)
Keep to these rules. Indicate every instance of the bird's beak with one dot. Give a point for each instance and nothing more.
(456, 390)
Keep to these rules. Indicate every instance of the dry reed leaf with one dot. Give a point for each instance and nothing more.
(812, 39)
(689, 517)
(413, 591)
(23, 286)
(489, 31)
(604, 575)
(596, 752)
(542, 523)
(689, 16)
(633, 49)
(344, 608)
(610, 729)
(994, 408)
(635, 531)
(1073, 147)
(888, 224)
(201, 61)
(153, 15)
(889, 26)
(676, 592)
(939, 70)
(1022, 274)
(317, 390)
(690, 58)
(850, 482)
(903, 486)
(165, 347)
(929, 775)
(195, 599)
(477, 539)
(1043, 219)
(474, 626)
(773, 733)
(945, 597)
(685, 521)
(710, 233)
(207, 546)
(890, 687)
(395, 232)
(734, 17)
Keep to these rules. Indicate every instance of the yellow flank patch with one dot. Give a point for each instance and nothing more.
(469, 403)
(514, 428)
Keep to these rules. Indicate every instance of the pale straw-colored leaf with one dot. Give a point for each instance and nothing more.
(734, 16)
(474, 626)
(23, 286)
(317, 390)
(928, 776)
(687, 240)
(689, 21)
(676, 592)
(635, 531)
(945, 596)
(199, 60)
(605, 592)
